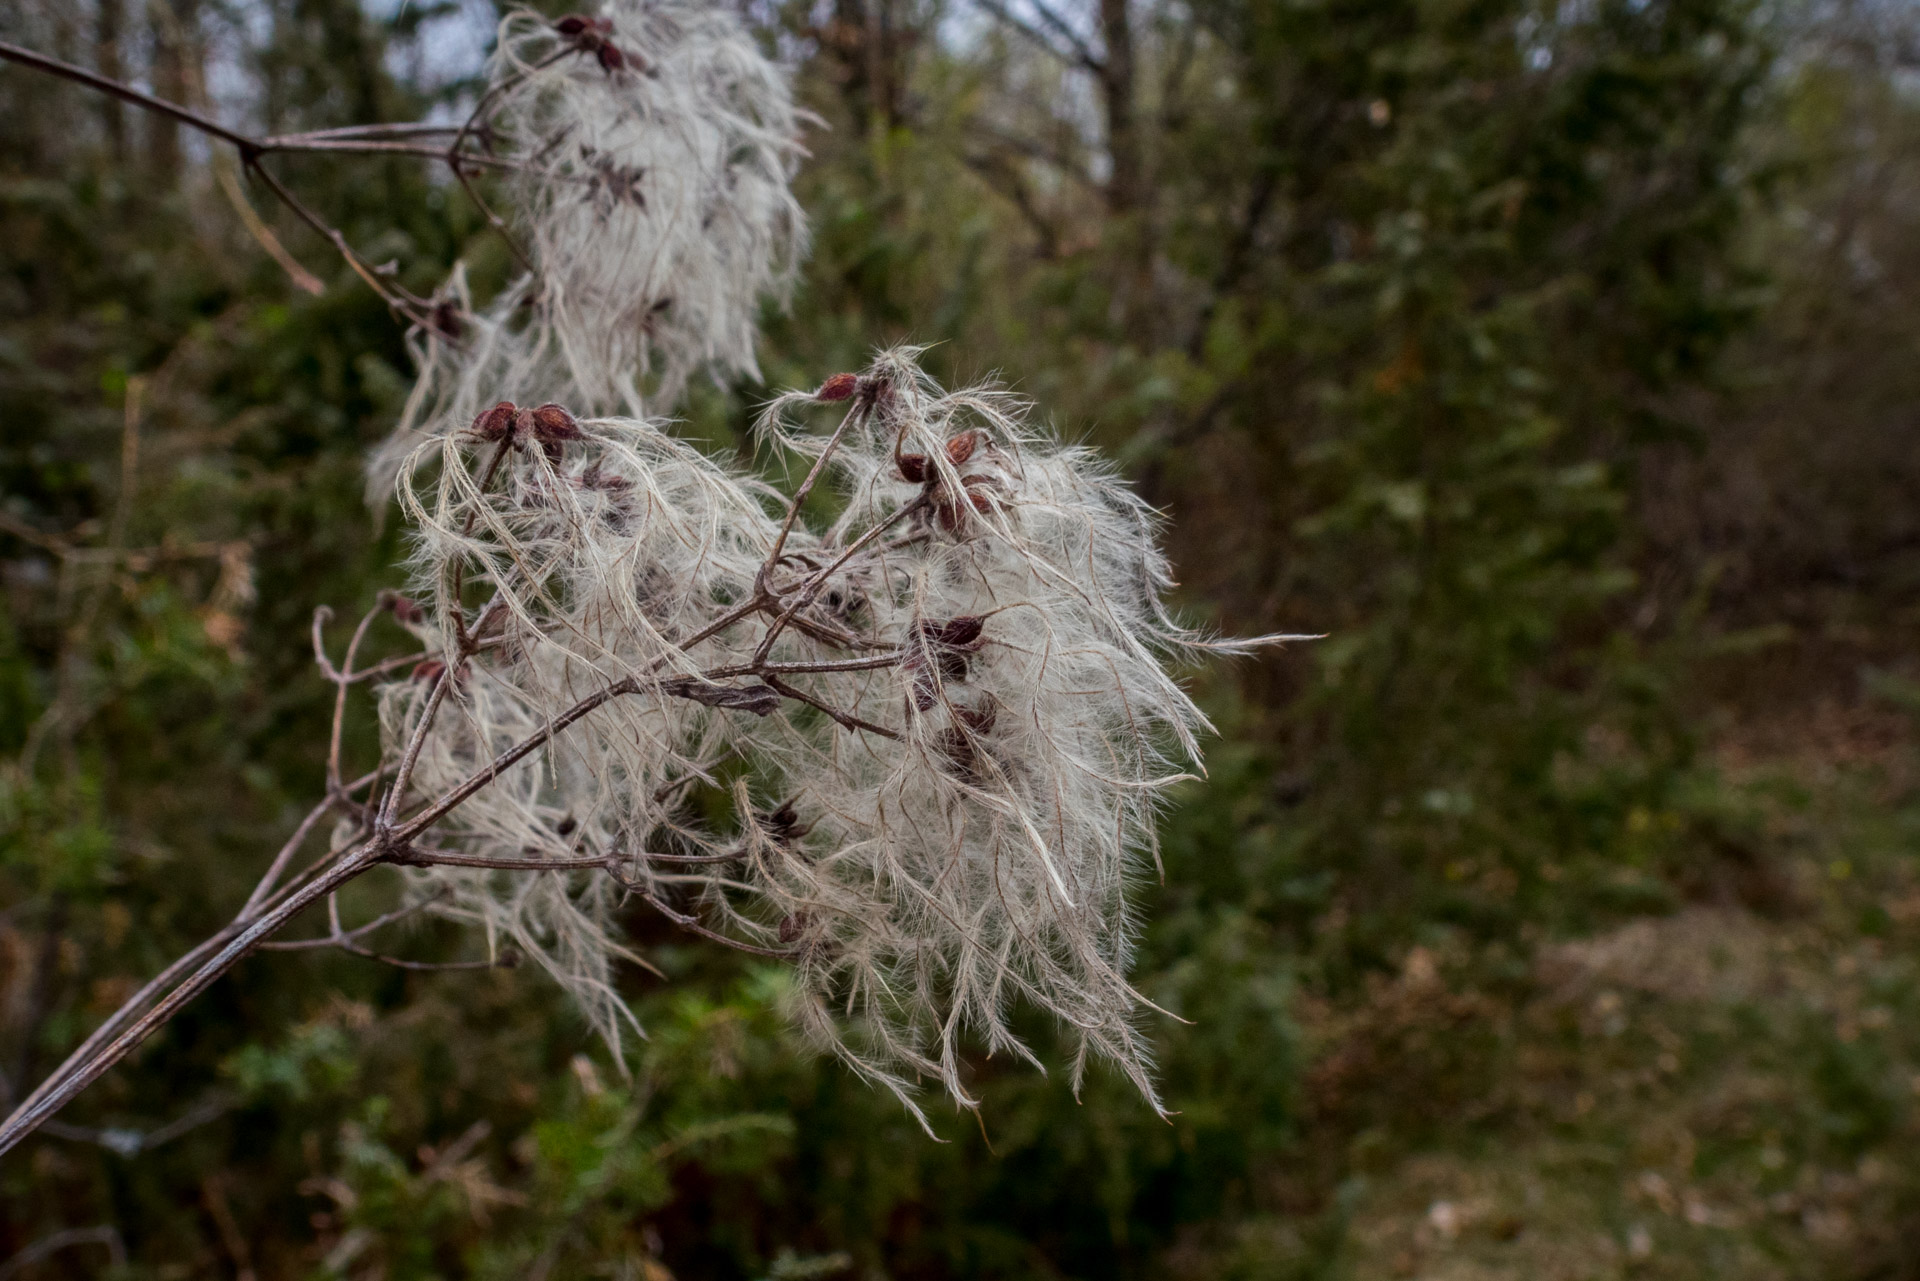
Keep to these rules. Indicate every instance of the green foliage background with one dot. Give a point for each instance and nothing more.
(1558, 915)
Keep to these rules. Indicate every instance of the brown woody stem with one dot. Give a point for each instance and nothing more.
(353, 139)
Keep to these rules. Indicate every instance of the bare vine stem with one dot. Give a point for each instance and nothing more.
(374, 139)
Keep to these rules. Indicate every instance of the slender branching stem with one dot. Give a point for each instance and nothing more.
(341, 682)
(334, 937)
(354, 139)
(420, 858)
(693, 926)
(337, 796)
(411, 757)
(810, 590)
(845, 718)
(806, 486)
(399, 129)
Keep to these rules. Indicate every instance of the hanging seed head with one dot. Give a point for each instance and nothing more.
(657, 205)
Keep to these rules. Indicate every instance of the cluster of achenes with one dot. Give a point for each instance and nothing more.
(916, 751)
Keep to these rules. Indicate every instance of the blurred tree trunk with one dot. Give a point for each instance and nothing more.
(110, 22)
(1125, 181)
(174, 24)
(868, 41)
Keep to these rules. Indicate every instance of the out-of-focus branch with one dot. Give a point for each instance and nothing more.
(48, 1246)
(1078, 52)
(126, 1141)
(128, 94)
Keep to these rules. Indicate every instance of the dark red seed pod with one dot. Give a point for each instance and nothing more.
(495, 423)
(962, 631)
(571, 25)
(976, 490)
(956, 745)
(406, 611)
(611, 58)
(552, 423)
(792, 927)
(979, 720)
(950, 643)
(784, 824)
(838, 387)
(960, 448)
(913, 467)
(446, 319)
(427, 672)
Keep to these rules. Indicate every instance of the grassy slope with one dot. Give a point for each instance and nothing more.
(1727, 1091)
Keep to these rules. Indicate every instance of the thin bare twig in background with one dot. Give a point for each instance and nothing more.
(131, 1141)
(357, 140)
(46, 1247)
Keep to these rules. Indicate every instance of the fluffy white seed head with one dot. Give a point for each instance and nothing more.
(932, 731)
(650, 150)
(653, 186)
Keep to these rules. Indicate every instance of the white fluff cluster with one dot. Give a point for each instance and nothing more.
(915, 751)
(649, 151)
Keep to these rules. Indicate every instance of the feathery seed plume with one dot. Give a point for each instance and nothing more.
(939, 724)
(650, 148)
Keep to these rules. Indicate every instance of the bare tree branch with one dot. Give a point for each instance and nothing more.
(359, 139)
(48, 1246)
(126, 93)
(127, 1141)
(1078, 52)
